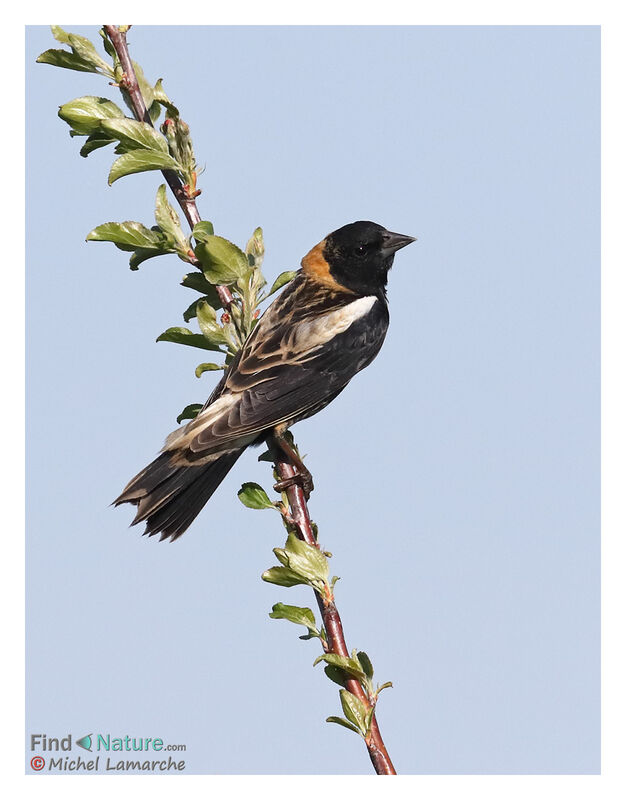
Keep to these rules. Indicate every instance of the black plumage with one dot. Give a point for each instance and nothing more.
(328, 324)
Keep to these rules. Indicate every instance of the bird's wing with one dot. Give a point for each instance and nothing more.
(303, 352)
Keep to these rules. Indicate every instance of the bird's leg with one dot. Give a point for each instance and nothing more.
(302, 477)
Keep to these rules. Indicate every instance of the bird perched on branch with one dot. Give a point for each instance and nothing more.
(327, 325)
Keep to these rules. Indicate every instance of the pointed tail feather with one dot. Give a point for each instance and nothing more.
(170, 497)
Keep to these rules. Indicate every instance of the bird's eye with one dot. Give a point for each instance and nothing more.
(361, 250)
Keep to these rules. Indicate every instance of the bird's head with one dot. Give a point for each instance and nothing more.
(356, 257)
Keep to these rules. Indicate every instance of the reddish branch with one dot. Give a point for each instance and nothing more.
(336, 642)
(131, 85)
(330, 616)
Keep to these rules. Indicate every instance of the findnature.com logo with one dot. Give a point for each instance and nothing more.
(104, 743)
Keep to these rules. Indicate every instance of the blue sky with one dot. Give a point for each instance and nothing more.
(457, 479)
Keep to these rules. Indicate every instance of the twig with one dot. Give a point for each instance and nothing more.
(297, 501)
(330, 615)
(131, 85)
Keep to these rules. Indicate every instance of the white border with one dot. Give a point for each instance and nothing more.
(611, 784)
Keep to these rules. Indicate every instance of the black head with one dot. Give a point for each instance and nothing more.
(357, 257)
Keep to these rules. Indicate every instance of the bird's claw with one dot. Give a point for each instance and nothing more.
(302, 479)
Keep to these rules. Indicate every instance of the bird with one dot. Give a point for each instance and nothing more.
(327, 325)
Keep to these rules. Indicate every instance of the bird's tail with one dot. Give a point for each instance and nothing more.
(169, 497)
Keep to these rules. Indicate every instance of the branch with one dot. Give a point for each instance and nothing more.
(130, 84)
(330, 615)
(284, 466)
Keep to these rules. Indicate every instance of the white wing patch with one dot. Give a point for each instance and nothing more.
(306, 336)
(315, 333)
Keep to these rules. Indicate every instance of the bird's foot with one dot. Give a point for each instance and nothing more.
(302, 478)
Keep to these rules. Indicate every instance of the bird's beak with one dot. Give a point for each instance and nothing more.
(395, 241)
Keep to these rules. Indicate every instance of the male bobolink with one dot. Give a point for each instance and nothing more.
(327, 325)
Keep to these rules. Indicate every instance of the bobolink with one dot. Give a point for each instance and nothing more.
(327, 325)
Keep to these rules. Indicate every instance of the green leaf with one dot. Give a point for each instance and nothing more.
(350, 666)
(255, 248)
(85, 115)
(185, 336)
(135, 135)
(266, 456)
(281, 555)
(345, 723)
(82, 47)
(168, 220)
(281, 280)
(335, 674)
(59, 34)
(354, 709)
(86, 50)
(171, 112)
(207, 368)
(386, 685)
(65, 60)
(295, 614)
(282, 576)
(243, 281)
(95, 141)
(365, 662)
(208, 323)
(106, 43)
(140, 255)
(197, 281)
(222, 261)
(140, 161)
(189, 412)
(128, 236)
(192, 310)
(144, 243)
(254, 496)
(144, 85)
(304, 558)
(84, 56)
(163, 99)
(202, 230)
(154, 112)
